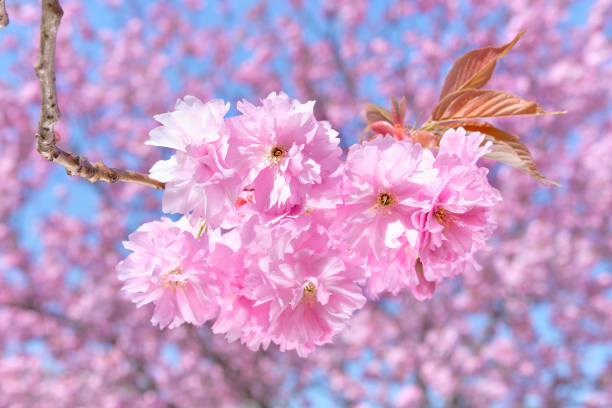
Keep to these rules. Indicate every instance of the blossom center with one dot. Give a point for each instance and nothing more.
(169, 280)
(443, 217)
(310, 293)
(385, 199)
(277, 153)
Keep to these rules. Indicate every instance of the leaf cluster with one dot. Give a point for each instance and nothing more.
(462, 101)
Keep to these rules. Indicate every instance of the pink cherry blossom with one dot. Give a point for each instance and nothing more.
(199, 182)
(465, 148)
(172, 269)
(308, 295)
(283, 150)
(238, 318)
(383, 185)
(456, 221)
(395, 269)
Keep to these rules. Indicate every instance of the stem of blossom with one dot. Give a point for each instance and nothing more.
(4, 19)
(75, 165)
(429, 125)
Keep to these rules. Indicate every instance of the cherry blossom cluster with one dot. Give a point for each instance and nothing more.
(280, 240)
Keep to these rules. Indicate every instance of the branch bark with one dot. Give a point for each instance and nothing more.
(75, 165)
(4, 19)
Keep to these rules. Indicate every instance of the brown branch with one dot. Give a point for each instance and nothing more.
(230, 373)
(49, 112)
(4, 20)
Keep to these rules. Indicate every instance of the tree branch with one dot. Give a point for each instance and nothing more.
(4, 19)
(232, 374)
(75, 165)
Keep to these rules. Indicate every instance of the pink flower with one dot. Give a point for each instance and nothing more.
(399, 267)
(307, 296)
(424, 288)
(283, 150)
(456, 221)
(384, 184)
(238, 318)
(199, 181)
(176, 272)
(395, 269)
(460, 149)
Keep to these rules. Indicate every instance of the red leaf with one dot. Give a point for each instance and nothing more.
(474, 68)
(507, 148)
(398, 110)
(484, 103)
(375, 113)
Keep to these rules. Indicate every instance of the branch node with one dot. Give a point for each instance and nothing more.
(114, 177)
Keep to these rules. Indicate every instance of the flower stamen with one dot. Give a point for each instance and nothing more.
(171, 283)
(385, 199)
(310, 293)
(277, 153)
(444, 218)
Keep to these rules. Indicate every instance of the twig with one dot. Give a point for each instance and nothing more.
(4, 20)
(232, 374)
(75, 165)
